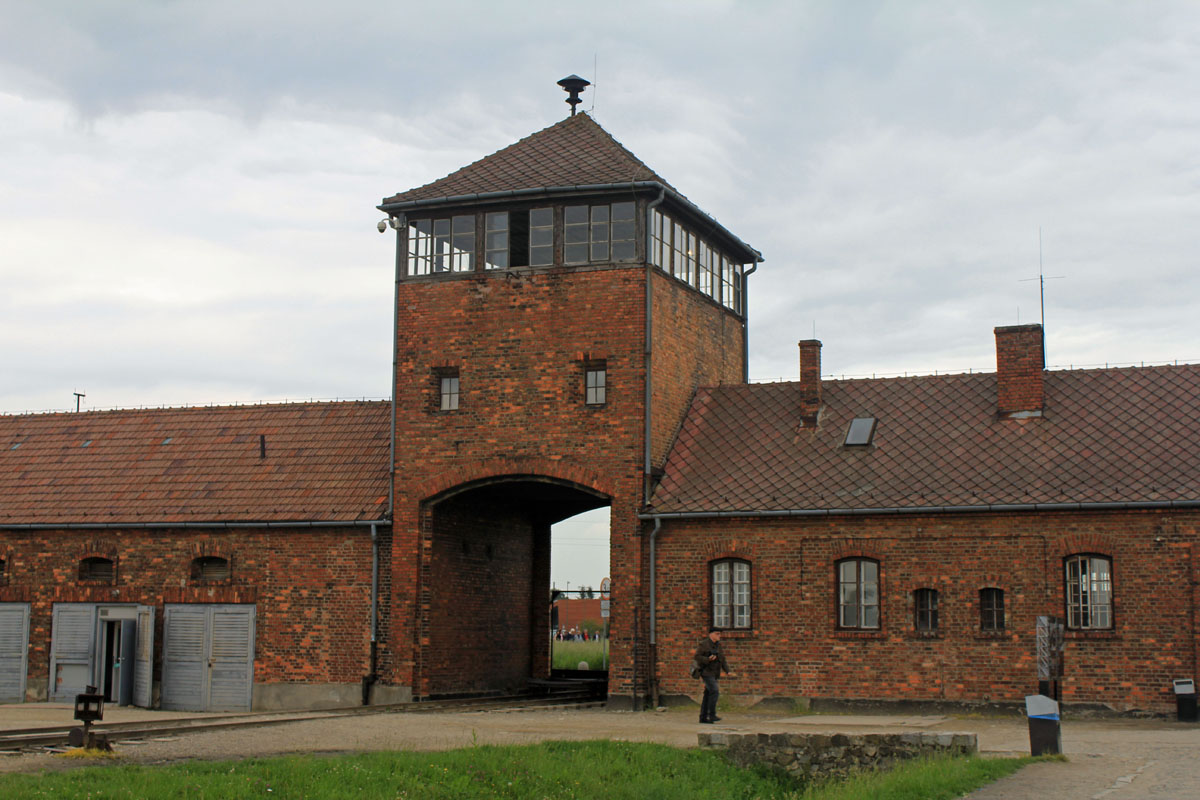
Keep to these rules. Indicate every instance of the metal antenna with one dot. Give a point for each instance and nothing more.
(78, 397)
(595, 69)
(1041, 279)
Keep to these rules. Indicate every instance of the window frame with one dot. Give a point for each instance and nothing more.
(1081, 605)
(725, 612)
(860, 605)
(925, 610)
(595, 384)
(991, 610)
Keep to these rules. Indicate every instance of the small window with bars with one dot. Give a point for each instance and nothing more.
(925, 610)
(1089, 592)
(95, 569)
(595, 383)
(991, 609)
(731, 593)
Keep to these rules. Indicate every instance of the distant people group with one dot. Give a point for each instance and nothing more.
(575, 635)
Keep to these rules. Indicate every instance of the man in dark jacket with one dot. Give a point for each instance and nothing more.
(711, 663)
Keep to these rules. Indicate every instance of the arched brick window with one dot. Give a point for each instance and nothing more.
(95, 569)
(858, 593)
(730, 593)
(1089, 592)
(210, 569)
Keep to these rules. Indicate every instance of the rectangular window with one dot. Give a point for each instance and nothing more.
(575, 234)
(660, 245)
(731, 594)
(441, 245)
(596, 384)
(449, 393)
(734, 300)
(991, 609)
(624, 231)
(1089, 592)
(541, 237)
(858, 593)
(706, 272)
(925, 602)
(496, 241)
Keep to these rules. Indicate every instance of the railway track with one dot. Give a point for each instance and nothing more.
(53, 737)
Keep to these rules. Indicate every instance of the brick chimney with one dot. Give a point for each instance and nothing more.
(810, 382)
(1020, 365)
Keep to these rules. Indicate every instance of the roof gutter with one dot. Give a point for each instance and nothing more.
(583, 188)
(1136, 505)
(89, 526)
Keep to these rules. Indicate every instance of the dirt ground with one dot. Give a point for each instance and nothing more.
(1112, 759)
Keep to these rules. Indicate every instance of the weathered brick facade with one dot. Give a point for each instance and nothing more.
(795, 648)
(311, 588)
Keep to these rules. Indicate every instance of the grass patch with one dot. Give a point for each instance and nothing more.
(567, 655)
(559, 770)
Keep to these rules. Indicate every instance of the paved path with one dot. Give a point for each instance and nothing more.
(1110, 759)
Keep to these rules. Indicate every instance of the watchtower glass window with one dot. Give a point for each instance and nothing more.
(599, 233)
(441, 245)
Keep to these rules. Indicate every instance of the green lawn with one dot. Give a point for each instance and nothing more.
(567, 655)
(554, 770)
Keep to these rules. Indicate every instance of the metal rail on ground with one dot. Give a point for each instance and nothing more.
(57, 736)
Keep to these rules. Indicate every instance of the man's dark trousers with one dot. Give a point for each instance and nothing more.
(708, 705)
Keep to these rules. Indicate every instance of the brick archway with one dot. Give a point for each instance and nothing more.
(484, 607)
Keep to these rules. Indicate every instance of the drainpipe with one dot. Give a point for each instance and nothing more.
(653, 620)
(746, 321)
(370, 678)
(648, 352)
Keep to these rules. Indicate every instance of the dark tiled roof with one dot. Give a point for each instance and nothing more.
(324, 462)
(574, 152)
(1112, 435)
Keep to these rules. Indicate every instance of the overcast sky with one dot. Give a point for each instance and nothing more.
(188, 189)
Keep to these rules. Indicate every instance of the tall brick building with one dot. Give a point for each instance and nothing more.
(571, 334)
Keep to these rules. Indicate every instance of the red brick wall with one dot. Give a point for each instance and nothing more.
(795, 650)
(519, 343)
(696, 342)
(311, 587)
(480, 630)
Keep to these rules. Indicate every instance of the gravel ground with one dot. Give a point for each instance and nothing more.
(1111, 759)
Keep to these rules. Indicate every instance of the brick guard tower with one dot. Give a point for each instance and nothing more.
(557, 304)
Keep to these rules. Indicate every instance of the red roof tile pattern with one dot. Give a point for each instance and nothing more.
(324, 462)
(574, 152)
(1106, 436)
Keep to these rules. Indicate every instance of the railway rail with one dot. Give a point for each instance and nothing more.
(25, 739)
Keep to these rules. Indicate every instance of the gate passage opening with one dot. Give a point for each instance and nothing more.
(487, 618)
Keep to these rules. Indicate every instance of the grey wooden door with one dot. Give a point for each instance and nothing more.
(14, 648)
(208, 657)
(143, 668)
(72, 640)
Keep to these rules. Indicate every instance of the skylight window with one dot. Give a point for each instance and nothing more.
(862, 430)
